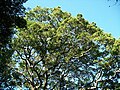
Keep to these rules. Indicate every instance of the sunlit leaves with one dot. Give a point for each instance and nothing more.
(56, 47)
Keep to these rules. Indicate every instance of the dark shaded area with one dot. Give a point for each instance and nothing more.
(11, 15)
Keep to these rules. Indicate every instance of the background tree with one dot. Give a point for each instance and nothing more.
(11, 15)
(58, 51)
(115, 2)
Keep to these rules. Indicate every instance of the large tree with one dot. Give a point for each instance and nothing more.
(11, 15)
(59, 52)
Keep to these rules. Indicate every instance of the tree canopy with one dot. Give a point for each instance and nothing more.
(58, 51)
(10, 12)
(11, 15)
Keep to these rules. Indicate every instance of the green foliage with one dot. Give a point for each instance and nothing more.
(11, 15)
(58, 51)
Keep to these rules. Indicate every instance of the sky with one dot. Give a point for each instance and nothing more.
(98, 11)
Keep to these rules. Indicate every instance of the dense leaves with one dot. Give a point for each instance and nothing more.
(11, 15)
(10, 12)
(59, 52)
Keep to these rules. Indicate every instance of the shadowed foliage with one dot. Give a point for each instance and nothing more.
(11, 15)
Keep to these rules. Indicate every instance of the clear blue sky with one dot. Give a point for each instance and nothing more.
(98, 11)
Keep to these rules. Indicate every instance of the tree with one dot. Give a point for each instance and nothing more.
(10, 12)
(11, 15)
(115, 2)
(58, 51)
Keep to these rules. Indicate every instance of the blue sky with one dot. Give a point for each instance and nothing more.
(98, 11)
